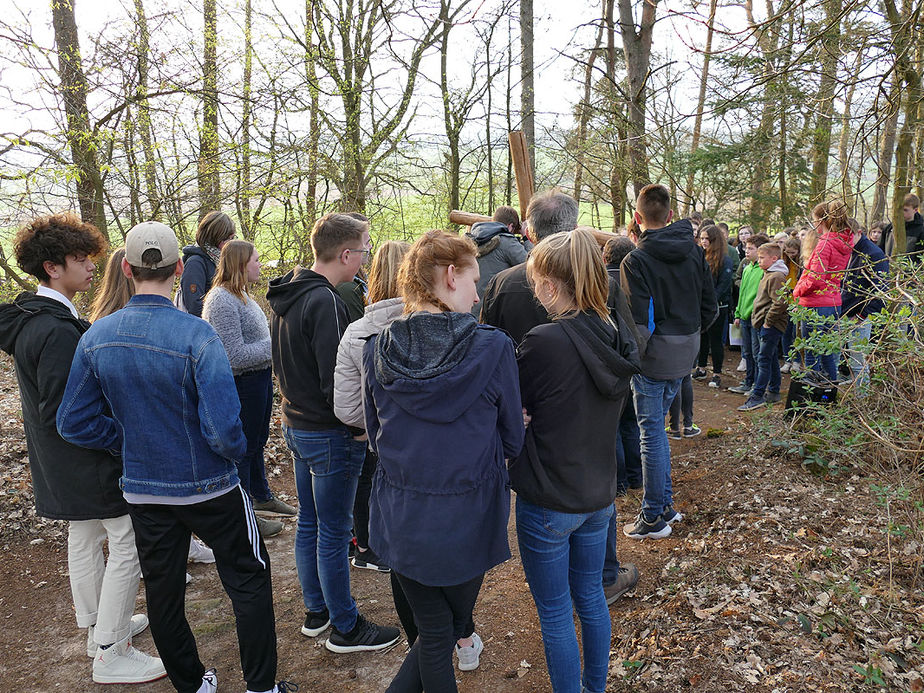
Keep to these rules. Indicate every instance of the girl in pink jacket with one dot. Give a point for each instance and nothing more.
(819, 287)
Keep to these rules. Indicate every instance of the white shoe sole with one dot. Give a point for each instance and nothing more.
(676, 518)
(370, 566)
(139, 623)
(660, 534)
(315, 632)
(130, 679)
(346, 649)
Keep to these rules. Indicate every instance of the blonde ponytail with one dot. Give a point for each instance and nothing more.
(573, 260)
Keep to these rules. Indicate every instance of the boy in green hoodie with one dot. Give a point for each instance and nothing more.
(750, 279)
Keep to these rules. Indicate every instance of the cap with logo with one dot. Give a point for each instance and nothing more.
(151, 235)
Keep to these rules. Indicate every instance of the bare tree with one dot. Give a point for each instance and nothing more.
(209, 190)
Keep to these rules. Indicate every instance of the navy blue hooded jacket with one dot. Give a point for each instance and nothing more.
(442, 403)
(864, 279)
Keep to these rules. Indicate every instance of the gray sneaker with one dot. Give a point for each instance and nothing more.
(469, 656)
(741, 389)
(268, 528)
(772, 397)
(274, 506)
(626, 581)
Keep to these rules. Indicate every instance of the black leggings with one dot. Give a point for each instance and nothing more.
(683, 402)
(361, 504)
(443, 615)
(712, 340)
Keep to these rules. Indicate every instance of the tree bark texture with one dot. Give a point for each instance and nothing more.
(636, 42)
(527, 83)
(209, 190)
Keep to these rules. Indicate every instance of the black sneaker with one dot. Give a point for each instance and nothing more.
(691, 430)
(365, 636)
(645, 529)
(742, 389)
(370, 561)
(673, 434)
(716, 381)
(626, 580)
(773, 397)
(700, 374)
(286, 687)
(316, 622)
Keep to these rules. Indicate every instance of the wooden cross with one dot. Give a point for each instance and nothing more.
(524, 177)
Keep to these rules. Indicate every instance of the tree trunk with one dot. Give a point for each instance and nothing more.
(144, 113)
(314, 126)
(508, 184)
(452, 133)
(887, 148)
(527, 88)
(843, 148)
(584, 108)
(80, 136)
(209, 191)
(244, 191)
(821, 140)
(700, 105)
(487, 126)
(637, 50)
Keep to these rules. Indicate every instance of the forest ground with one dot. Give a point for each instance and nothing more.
(776, 580)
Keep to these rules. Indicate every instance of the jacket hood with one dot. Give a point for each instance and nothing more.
(484, 231)
(284, 291)
(191, 250)
(14, 316)
(433, 365)
(598, 346)
(382, 313)
(779, 266)
(671, 244)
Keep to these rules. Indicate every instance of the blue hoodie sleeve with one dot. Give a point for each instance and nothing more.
(194, 284)
(723, 282)
(509, 405)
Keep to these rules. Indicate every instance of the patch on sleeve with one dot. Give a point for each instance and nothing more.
(193, 288)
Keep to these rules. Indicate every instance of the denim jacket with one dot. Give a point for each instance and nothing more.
(155, 383)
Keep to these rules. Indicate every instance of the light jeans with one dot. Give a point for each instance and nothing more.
(104, 591)
(857, 345)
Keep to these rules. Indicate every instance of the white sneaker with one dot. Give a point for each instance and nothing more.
(188, 578)
(199, 552)
(209, 682)
(122, 663)
(785, 367)
(468, 656)
(138, 623)
(742, 366)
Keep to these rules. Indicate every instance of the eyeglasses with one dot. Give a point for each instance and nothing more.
(367, 252)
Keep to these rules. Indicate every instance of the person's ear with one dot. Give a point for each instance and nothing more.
(451, 277)
(127, 268)
(179, 267)
(51, 269)
(670, 215)
(638, 218)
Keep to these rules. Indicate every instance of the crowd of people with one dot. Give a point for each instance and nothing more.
(413, 398)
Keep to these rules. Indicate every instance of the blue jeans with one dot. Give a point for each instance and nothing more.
(628, 450)
(825, 364)
(788, 338)
(652, 403)
(750, 347)
(768, 366)
(255, 390)
(562, 556)
(327, 467)
(610, 562)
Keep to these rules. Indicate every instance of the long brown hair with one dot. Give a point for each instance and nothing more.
(116, 289)
(383, 277)
(833, 214)
(573, 260)
(717, 250)
(231, 274)
(214, 229)
(417, 275)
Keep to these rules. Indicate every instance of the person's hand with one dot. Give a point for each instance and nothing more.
(737, 322)
(526, 418)
(361, 439)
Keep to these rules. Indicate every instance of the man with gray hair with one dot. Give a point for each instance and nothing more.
(508, 301)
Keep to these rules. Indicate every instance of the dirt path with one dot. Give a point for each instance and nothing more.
(776, 581)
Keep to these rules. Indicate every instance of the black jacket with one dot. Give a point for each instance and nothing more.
(574, 384)
(198, 271)
(864, 280)
(509, 303)
(70, 483)
(672, 296)
(308, 319)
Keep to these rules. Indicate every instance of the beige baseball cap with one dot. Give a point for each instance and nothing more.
(148, 235)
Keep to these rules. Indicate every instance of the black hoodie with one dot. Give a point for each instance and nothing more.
(70, 483)
(574, 384)
(308, 319)
(672, 296)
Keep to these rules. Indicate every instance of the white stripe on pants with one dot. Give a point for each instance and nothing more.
(104, 592)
